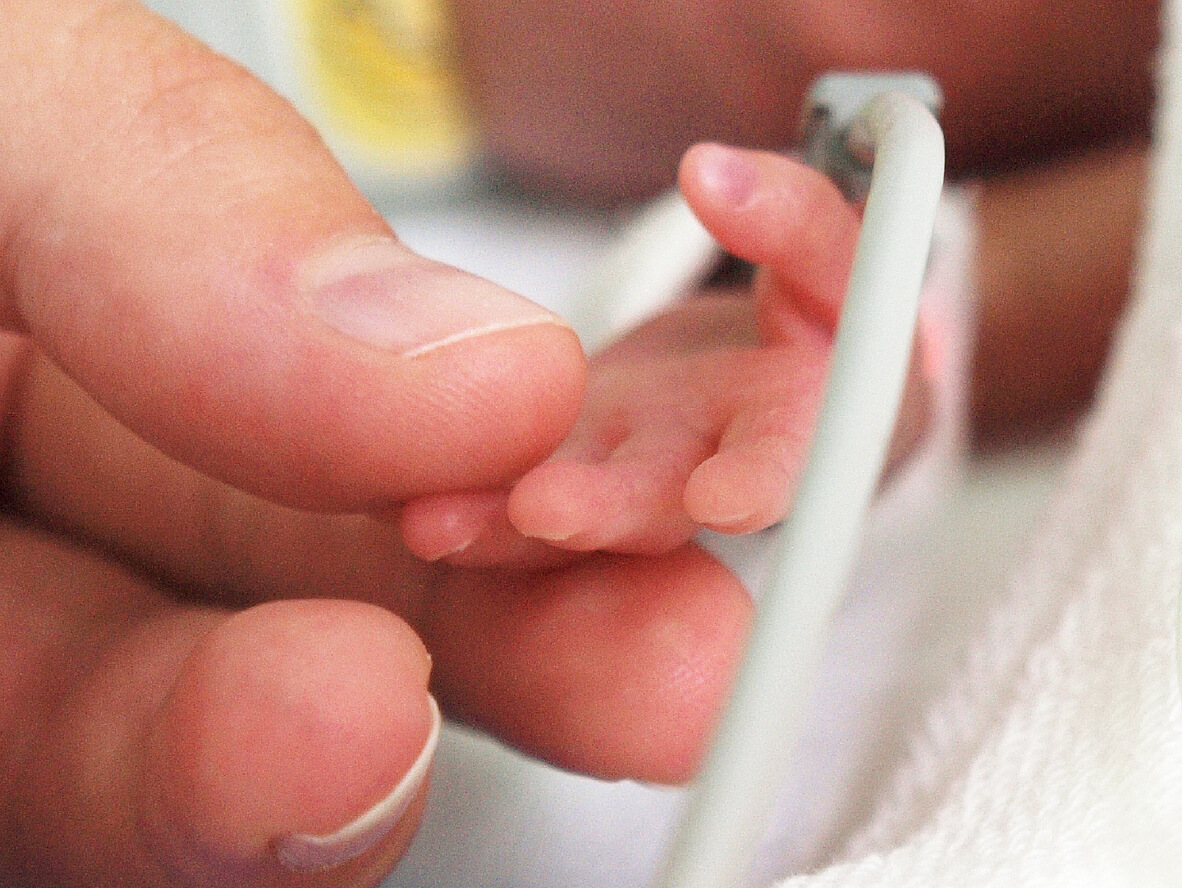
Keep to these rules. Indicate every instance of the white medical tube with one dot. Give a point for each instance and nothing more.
(729, 808)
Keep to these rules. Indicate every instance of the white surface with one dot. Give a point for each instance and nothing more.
(661, 252)
(233, 27)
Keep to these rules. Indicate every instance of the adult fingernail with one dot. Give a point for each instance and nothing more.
(306, 853)
(374, 290)
(554, 535)
(728, 175)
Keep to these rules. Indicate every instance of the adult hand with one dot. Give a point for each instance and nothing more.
(216, 363)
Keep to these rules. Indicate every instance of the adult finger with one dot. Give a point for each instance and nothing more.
(182, 244)
(615, 665)
(152, 744)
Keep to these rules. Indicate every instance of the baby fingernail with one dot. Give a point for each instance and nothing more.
(728, 175)
(375, 291)
(306, 853)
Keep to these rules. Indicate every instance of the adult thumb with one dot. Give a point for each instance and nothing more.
(182, 244)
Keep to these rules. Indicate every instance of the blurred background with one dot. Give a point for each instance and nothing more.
(514, 139)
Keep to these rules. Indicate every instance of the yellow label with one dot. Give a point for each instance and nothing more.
(383, 75)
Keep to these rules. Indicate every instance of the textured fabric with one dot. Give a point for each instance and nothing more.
(1055, 757)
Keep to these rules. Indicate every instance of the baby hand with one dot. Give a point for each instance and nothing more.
(699, 418)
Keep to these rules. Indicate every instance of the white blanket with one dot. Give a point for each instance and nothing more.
(1056, 756)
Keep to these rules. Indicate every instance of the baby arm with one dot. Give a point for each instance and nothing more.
(702, 416)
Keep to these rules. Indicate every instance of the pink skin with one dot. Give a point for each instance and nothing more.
(206, 647)
(702, 417)
(196, 414)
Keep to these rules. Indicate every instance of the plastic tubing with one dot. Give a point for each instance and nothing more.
(729, 807)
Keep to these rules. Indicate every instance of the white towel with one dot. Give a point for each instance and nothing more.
(1055, 758)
